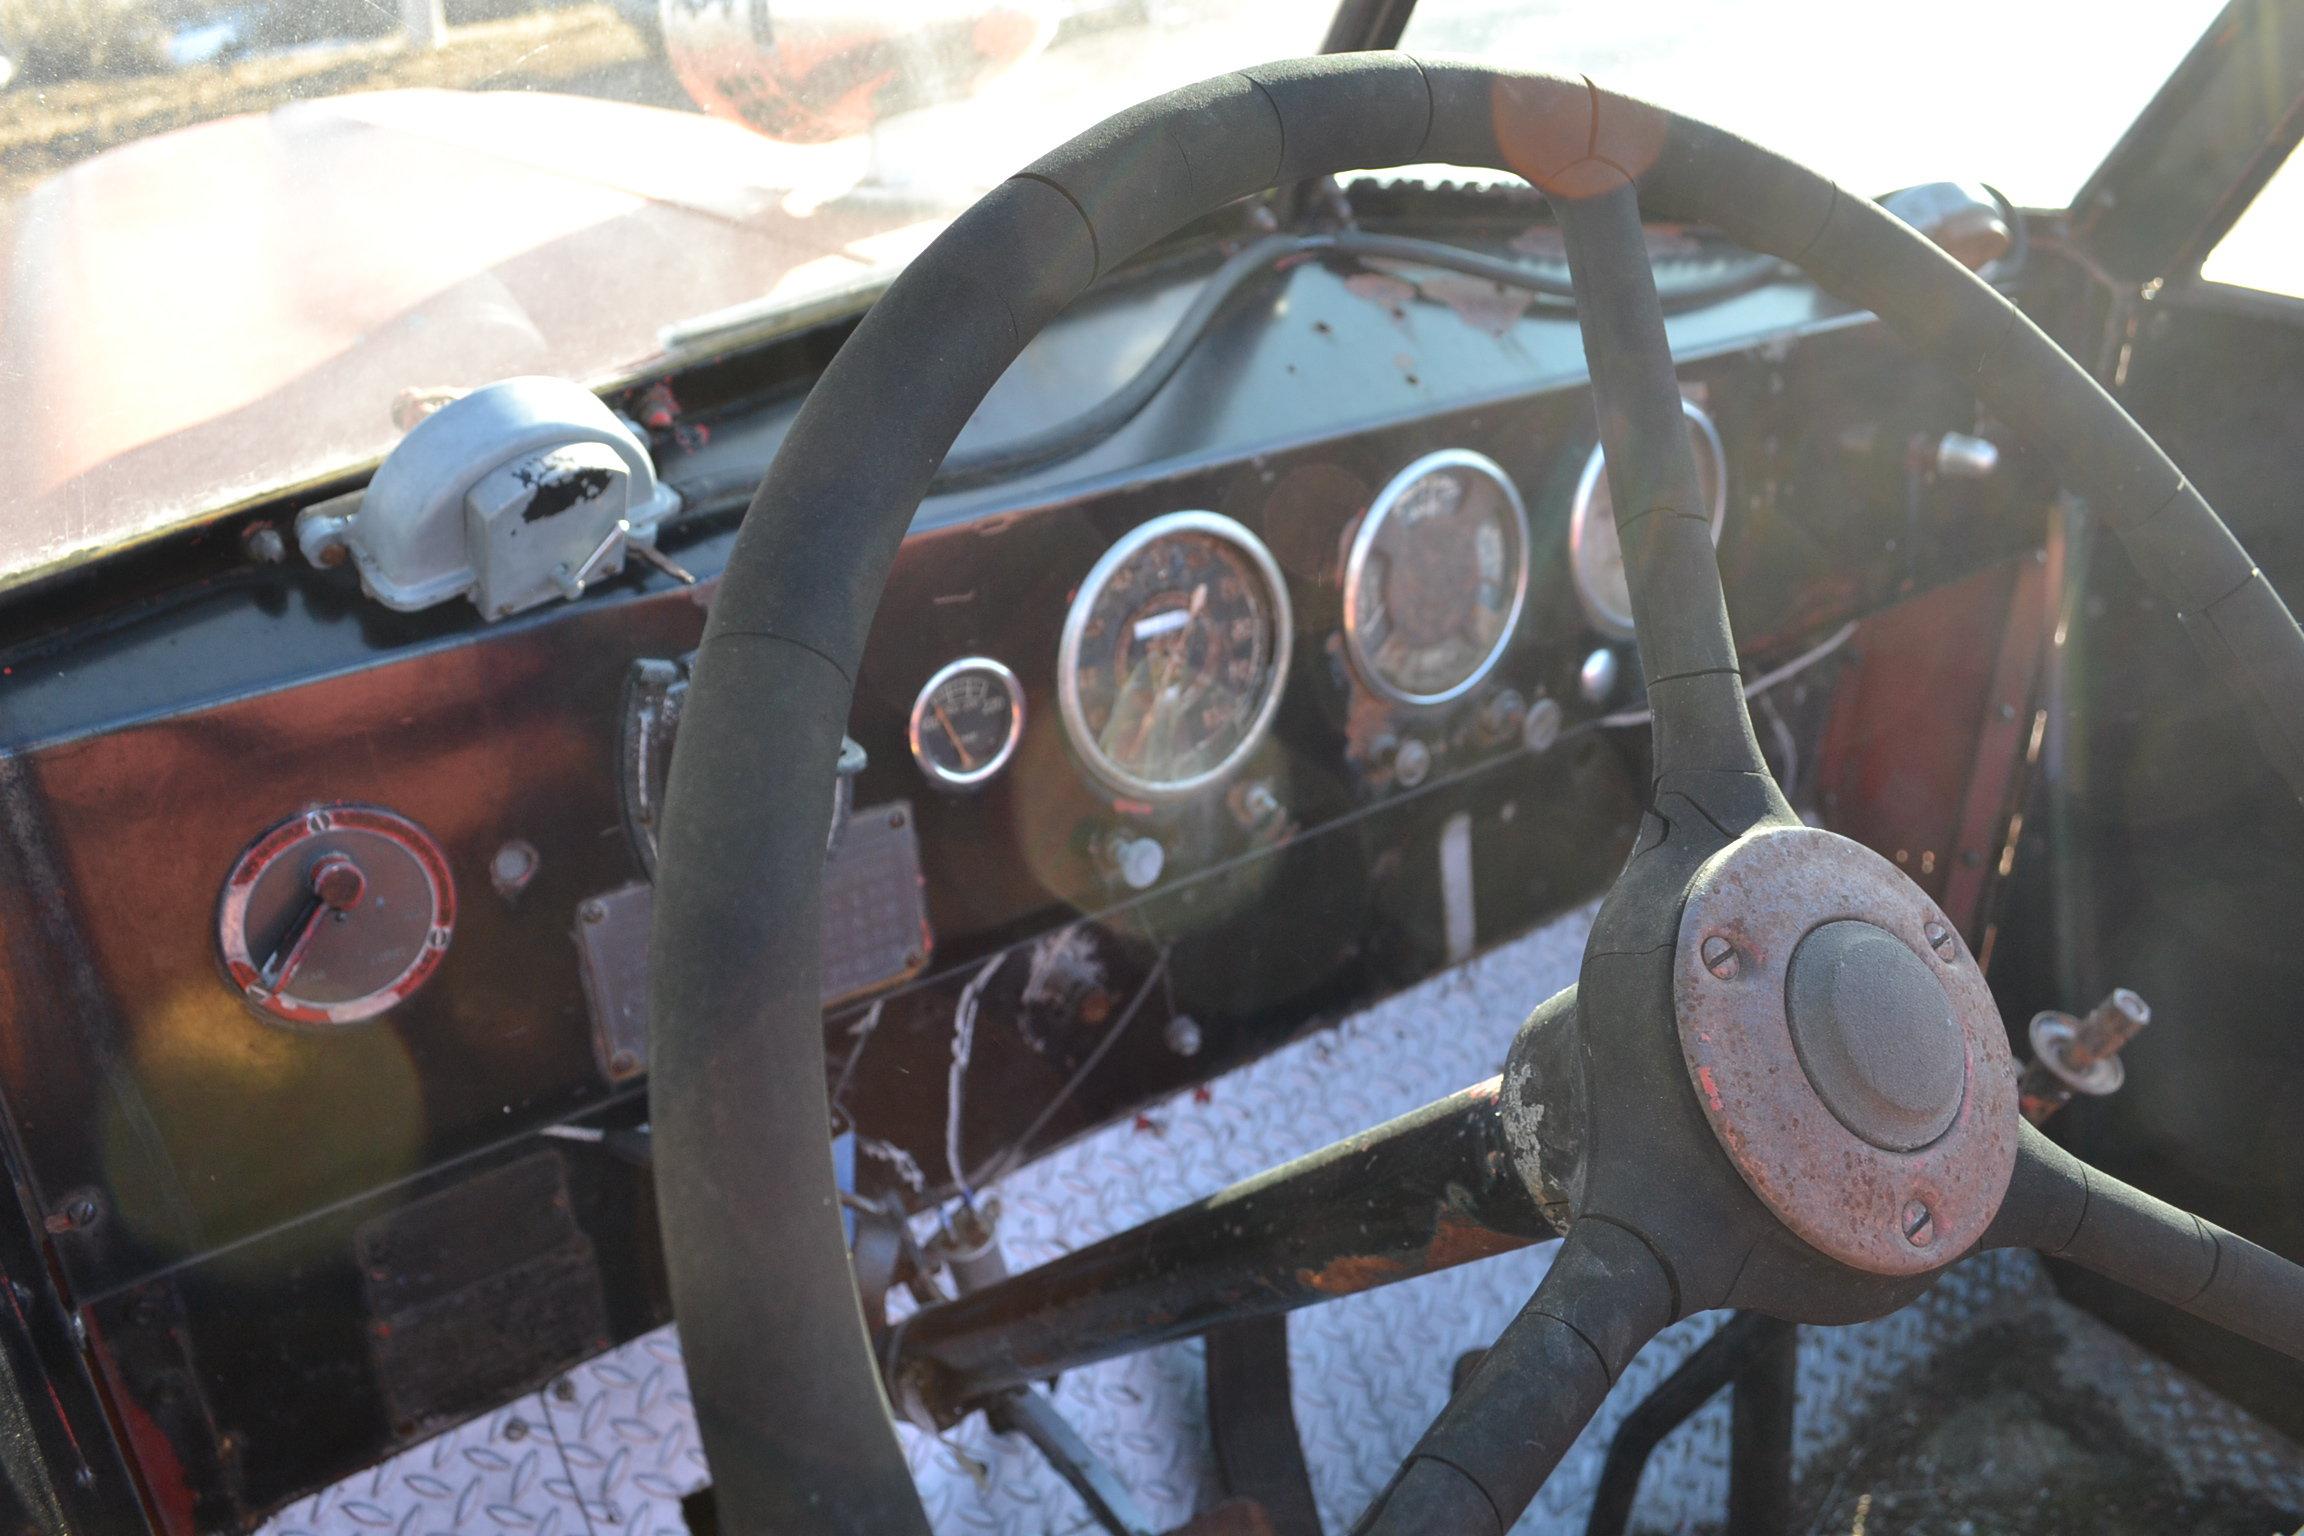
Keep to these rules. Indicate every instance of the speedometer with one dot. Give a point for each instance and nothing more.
(1435, 578)
(1596, 555)
(1173, 654)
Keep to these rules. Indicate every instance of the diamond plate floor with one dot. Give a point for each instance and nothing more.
(613, 1444)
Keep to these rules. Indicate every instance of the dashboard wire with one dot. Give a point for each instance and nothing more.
(1012, 1156)
(730, 491)
(1273, 253)
(1758, 685)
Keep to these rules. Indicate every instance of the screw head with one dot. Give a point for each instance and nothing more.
(1719, 957)
(592, 912)
(1940, 939)
(1919, 1223)
(262, 543)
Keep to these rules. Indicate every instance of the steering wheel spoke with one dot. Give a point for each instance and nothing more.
(2066, 1209)
(1499, 1438)
(1705, 748)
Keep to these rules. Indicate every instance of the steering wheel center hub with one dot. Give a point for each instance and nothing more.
(1845, 1049)
(1875, 1034)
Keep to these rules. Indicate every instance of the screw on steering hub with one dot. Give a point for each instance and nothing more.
(1720, 957)
(1919, 1223)
(1940, 940)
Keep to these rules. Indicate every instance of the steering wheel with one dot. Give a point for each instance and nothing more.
(1780, 1082)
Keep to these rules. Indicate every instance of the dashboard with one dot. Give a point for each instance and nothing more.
(1316, 678)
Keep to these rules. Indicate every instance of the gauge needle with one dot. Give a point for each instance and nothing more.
(967, 758)
(334, 884)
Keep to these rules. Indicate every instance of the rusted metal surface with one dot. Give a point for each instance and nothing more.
(1924, 756)
(1544, 1108)
(1429, 1191)
(2000, 752)
(1884, 1211)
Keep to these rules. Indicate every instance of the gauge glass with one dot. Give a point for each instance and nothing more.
(967, 721)
(335, 915)
(1595, 553)
(1174, 653)
(1435, 578)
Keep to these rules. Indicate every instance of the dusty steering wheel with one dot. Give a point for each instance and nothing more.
(1780, 1082)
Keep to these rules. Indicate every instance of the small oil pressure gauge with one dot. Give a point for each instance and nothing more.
(335, 916)
(967, 721)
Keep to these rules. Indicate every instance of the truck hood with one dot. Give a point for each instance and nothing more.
(231, 309)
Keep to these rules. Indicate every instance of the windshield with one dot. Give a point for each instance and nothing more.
(2028, 95)
(248, 241)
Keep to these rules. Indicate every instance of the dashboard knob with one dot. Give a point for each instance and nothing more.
(1411, 763)
(1965, 456)
(1502, 717)
(1541, 732)
(1257, 808)
(1596, 679)
(1134, 860)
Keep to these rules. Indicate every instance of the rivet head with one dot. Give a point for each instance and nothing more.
(1919, 1223)
(1719, 957)
(1940, 940)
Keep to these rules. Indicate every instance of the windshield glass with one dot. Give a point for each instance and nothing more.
(247, 241)
(2028, 95)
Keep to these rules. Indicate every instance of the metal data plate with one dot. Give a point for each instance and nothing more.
(875, 933)
(875, 917)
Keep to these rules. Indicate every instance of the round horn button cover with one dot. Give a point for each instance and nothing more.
(1876, 1036)
(1853, 1073)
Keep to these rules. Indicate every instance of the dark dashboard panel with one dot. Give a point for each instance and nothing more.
(222, 1189)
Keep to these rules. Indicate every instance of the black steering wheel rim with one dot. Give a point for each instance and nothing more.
(789, 1401)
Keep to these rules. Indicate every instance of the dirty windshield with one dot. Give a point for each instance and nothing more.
(248, 239)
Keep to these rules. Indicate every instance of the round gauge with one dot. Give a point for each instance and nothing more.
(967, 721)
(1174, 653)
(335, 915)
(1435, 578)
(1594, 552)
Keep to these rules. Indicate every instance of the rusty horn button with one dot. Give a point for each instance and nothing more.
(1876, 1035)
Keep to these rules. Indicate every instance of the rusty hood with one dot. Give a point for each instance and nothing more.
(233, 308)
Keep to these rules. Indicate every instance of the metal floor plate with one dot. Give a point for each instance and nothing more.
(612, 1446)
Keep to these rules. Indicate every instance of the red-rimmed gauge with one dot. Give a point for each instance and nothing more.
(335, 915)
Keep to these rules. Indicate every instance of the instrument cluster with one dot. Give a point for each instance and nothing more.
(1186, 639)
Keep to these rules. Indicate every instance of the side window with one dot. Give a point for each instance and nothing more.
(2265, 249)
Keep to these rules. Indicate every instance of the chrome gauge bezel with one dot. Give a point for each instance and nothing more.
(1364, 541)
(1083, 740)
(977, 777)
(1604, 617)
